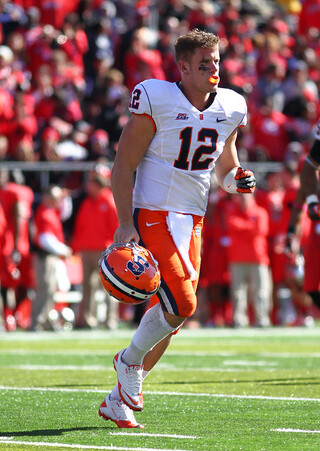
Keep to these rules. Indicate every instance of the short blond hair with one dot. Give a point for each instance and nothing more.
(186, 44)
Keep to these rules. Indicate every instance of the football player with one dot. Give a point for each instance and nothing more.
(308, 192)
(177, 134)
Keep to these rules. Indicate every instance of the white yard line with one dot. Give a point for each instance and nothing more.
(162, 393)
(57, 367)
(160, 366)
(146, 434)
(262, 363)
(185, 333)
(9, 440)
(301, 431)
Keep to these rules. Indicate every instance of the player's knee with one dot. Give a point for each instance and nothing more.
(187, 310)
(173, 320)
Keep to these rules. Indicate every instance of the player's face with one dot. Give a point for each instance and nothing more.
(204, 69)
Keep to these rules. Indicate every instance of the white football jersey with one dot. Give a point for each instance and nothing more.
(175, 173)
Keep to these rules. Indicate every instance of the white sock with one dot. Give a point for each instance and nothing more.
(115, 393)
(152, 329)
(145, 374)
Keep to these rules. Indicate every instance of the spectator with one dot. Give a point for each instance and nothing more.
(215, 279)
(11, 75)
(42, 92)
(21, 129)
(4, 146)
(54, 12)
(95, 224)
(74, 43)
(48, 147)
(309, 17)
(11, 17)
(112, 98)
(297, 84)
(99, 146)
(248, 227)
(39, 46)
(140, 61)
(269, 86)
(165, 47)
(23, 285)
(100, 49)
(9, 273)
(50, 252)
(268, 127)
(3, 224)
(272, 199)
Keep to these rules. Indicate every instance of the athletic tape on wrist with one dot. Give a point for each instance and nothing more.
(229, 183)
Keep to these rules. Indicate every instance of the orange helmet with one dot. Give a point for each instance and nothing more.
(129, 272)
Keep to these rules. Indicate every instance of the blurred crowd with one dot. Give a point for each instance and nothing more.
(66, 73)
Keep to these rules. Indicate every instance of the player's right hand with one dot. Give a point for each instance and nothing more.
(314, 211)
(125, 233)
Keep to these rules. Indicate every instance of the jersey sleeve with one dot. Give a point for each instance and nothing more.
(241, 111)
(140, 102)
(234, 105)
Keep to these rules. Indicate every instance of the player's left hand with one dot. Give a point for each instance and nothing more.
(246, 181)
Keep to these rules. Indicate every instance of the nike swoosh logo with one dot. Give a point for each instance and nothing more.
(228, 186)
(150, 224)
(220, 120)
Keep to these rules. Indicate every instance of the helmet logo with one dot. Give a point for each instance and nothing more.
(138, 265)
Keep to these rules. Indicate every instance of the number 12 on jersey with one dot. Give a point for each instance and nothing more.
(185, 136)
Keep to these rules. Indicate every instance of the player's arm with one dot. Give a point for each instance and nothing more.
(309, 180)
(231, 177)
(133, 143)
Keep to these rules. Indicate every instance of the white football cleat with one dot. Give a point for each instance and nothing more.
(129, 382)
(119, 413)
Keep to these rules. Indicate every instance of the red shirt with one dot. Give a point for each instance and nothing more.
(8, 200)
(25, 200)
(3, 224)
(47, 220)
(248, 230)
(215, 243)
(273, 203)
(95, 223)
(270, 133)
(53, 12)
(141, 66)
(309, 16)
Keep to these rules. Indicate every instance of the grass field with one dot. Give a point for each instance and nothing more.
(215, 389)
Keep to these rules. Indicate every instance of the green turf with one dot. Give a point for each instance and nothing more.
(213, 390)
